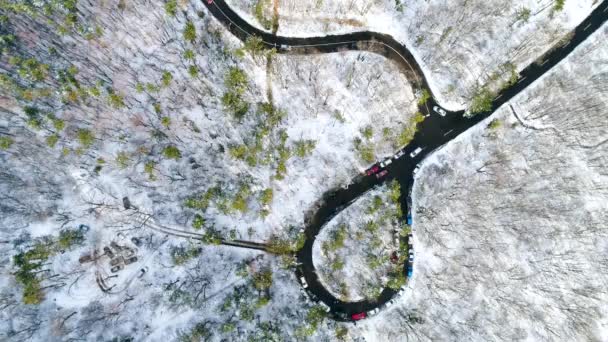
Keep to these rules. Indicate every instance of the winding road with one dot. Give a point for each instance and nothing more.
(434, 132)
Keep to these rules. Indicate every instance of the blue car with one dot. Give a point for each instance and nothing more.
(410, 270)
(409, 219)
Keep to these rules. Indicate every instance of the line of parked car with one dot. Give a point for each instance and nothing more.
(376, 169)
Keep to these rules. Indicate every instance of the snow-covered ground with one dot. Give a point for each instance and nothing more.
(352, 253)
(510, 221)
(156, 93)
(460, 44)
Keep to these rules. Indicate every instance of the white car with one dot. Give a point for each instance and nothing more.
(304, 283)
(390, 303)
(386, 163)
(439, 110)
(373, 312)
(416, 169)
(324, 306)
(399, 154)
(416, 152)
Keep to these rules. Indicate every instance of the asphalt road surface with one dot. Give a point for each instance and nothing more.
(434, 132)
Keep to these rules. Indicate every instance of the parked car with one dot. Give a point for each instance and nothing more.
(116, 261)
(324, 306)
(116, 247)
(117, 268)
(130, 260)
(390, 303)
(386, 162)
(85, 258)
(108, 252)
(416, 169)
(381, 174)
(410, 270)
(129, 252)
(399, 154)
(372, 170)
(304, 283)
(136, 241)
(373, 312)
(209, 2)
(439, 110)
(358, 316)
(411, 256)
(142, 272)
(394, 257)
(416, 152)
(409, 219)
(401, 292)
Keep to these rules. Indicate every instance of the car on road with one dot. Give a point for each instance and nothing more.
(416, 152)
(304, 283)
(372, 170)
(381, 174)
(439, 110)
(399, 154)
(386, 162)
(373, 312)
(358, 316)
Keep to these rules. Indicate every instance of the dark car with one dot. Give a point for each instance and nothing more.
(130, 260)
(108, 252)
(136, 241)
(117, 268)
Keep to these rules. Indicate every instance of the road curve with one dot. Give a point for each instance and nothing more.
(434, 132)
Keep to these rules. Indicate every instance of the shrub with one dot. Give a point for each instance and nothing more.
(5, 143)
(482, 101)
(198, 222)
(172, 152)
(122, 159)
(494, 124)
(171, 7)
(425, 96)
(304, 147)
(52, 140)
(68, 238)
(266, 196)
(262, 280)
(85, 137)
(167, 77)
(190, 32)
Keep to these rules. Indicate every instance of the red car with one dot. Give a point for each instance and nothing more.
(358, 316)
(382, 174)
(373, 170)
(209, 2)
